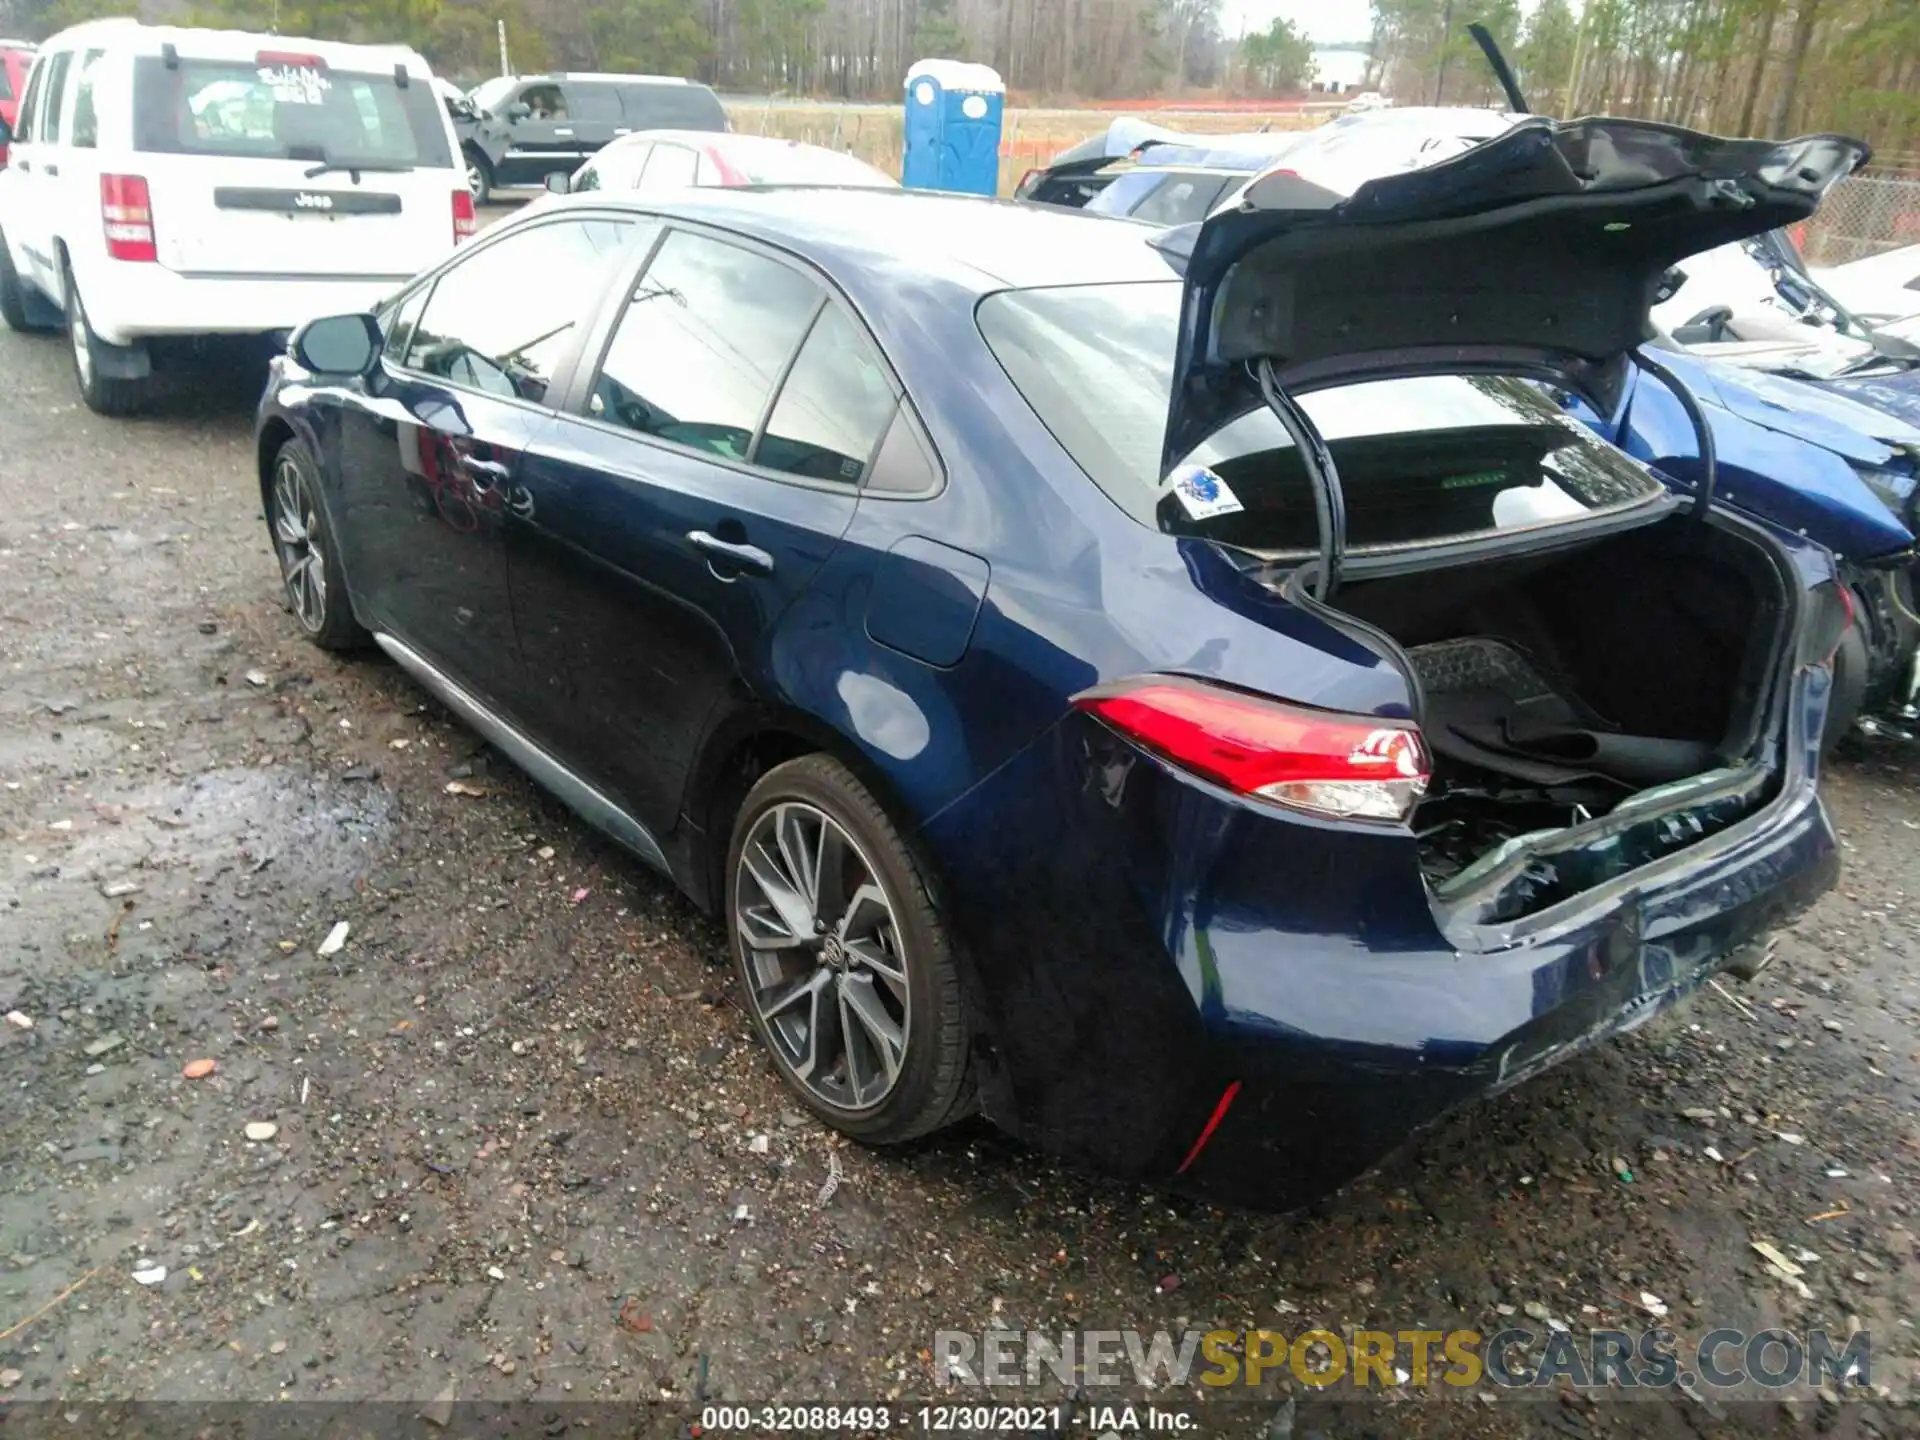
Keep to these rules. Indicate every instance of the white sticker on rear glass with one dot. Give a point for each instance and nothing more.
(1203, 494)
(295, 84)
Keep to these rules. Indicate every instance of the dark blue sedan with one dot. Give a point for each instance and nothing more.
(1194, 698)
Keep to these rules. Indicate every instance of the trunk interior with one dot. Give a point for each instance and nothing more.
(1629, 676)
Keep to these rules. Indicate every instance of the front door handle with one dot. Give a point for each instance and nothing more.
(50, 169)
(748, 559)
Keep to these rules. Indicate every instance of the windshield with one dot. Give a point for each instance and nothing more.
(278, 108)
(1421, 459)
(488, 95)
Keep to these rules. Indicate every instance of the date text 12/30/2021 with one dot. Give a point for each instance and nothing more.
(930, 1419)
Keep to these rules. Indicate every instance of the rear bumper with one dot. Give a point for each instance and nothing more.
(1390, 1043)
(129, 302)
(1136, 943)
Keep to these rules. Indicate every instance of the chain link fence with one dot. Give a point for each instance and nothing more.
(1864, 216)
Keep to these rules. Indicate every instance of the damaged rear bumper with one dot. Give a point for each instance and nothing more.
(1317, 1107)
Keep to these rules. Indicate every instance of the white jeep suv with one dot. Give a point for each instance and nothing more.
(182, 182)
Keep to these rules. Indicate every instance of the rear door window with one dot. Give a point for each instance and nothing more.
(703, 343)
(286, 107)
(86, 124)
(6, 77)
(672, 107)
(503, 319)
(595, 104)
(671, 167)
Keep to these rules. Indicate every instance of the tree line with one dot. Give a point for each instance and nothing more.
(849, 49)
(1745, 67)
(1740, 66)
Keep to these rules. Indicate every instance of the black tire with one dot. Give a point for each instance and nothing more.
(14, 301)
(110, 395)
(324, 614)
(1848, 696)
(935, 1085)
(479, 176)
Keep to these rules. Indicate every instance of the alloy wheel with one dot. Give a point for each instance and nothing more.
(822, 949)
(296, 538)
(476, 184)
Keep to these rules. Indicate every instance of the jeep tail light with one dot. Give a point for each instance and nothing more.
(466, 222)
(1344, 766)
(126, 213)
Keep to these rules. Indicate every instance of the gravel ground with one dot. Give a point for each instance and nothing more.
(512, 1139)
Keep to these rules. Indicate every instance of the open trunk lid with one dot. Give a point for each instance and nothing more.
(282, 164)
(1537, 252)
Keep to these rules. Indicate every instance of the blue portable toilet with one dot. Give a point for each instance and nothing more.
(953, 127)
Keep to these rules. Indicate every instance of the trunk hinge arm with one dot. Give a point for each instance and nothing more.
(1329, 500)
(1702, 431)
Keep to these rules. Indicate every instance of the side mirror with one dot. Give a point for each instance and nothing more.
(559, 182)
(337, 345)
(519, 110)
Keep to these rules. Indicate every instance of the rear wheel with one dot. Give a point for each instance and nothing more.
(309, 560)
(1847, 697)
(844, 960)
(104, 394)
(16, 306)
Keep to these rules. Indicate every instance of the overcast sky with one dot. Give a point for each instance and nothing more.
(1327, 21)
(1322, 20)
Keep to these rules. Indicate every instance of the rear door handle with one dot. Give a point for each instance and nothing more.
(50, 169)
(749, 559)
(23, 165)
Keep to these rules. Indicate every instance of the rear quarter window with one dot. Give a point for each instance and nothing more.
(279, 111)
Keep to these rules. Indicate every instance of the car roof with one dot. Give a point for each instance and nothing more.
(980, 244)
(721, 140)
(201, 43)
(610, 78)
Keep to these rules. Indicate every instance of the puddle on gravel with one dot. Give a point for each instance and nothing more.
(169, 837)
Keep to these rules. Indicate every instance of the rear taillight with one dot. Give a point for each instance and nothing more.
(126, 214)
(466, 224)
(1346, 766)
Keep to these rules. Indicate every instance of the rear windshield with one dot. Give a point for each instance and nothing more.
(1420, 459)
(282, 109)
(673, 107)
(804, 165)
